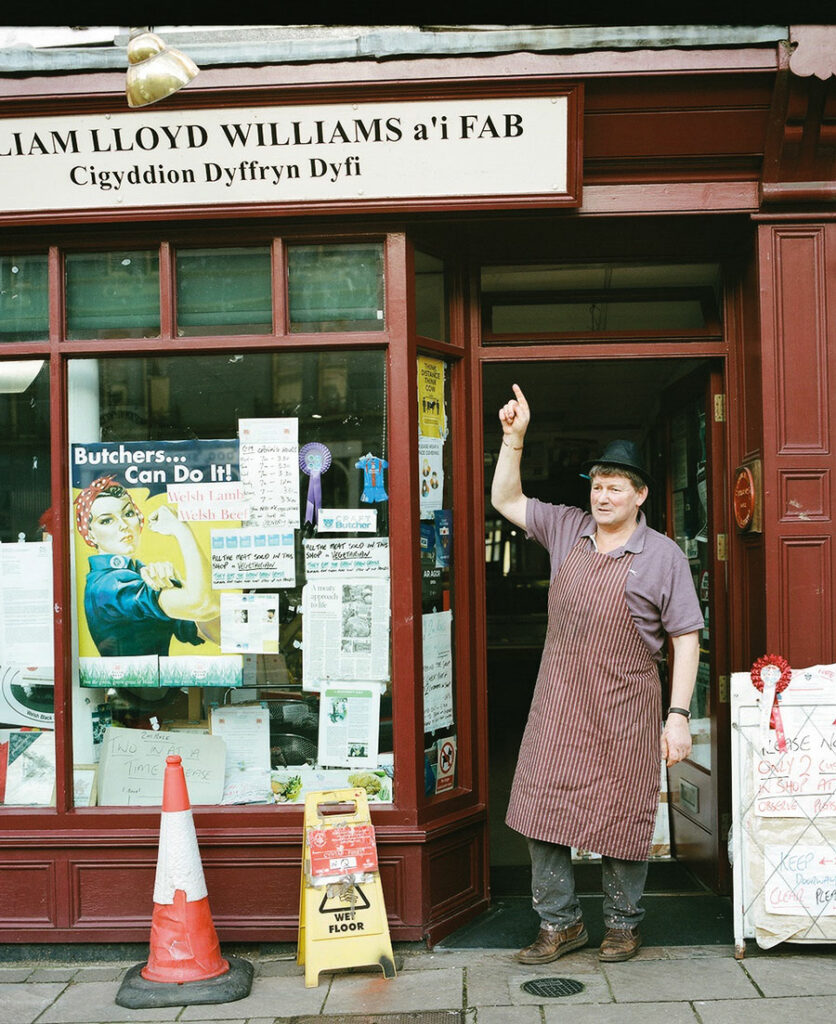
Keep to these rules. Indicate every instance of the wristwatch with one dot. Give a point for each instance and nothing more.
(680, 711)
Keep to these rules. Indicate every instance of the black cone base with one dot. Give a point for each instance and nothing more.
(137, 993)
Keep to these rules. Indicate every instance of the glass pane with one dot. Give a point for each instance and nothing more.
(24, 298)
(689, 505)
(113, 295)
(550, 277)
(599, 297)
(650, 315)
(335, 287)
(435, 473)
(430, 297)
(224, 291)
(27, 747)
(193, 564)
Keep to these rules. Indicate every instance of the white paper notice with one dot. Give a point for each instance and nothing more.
(250, 623)
(345, 630)
(430, 474)
(349, 716)
(132, 766)
(256, 558)
(246, 731)
(30, 774)
(269, 466)
(347, 520)
(801, 782)
(209, 503)
(801, 879)
(438, 670)
(360, 557)
(26, 617)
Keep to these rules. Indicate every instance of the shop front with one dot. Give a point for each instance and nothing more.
(253, 341)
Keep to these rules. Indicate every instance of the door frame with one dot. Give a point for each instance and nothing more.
(716, 871)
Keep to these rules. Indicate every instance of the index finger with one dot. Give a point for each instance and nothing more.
(520, 396)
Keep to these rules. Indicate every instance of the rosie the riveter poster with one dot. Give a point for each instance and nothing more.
(142, 516)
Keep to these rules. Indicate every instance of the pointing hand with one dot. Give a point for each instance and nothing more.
(515, 416)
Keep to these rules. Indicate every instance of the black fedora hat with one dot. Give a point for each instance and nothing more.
(621, 453)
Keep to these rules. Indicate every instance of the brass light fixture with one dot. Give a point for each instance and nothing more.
(154, 69)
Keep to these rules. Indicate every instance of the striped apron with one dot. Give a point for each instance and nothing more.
(588, 770)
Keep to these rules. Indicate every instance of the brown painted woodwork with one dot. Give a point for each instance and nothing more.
(699, 835)
(799, 162)
(797, 264)
(680, 149)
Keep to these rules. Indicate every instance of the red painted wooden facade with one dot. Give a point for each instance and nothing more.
(721, 155)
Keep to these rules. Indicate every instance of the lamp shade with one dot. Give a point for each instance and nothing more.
(155, 70)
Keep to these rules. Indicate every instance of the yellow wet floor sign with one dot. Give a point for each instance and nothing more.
(342, 917)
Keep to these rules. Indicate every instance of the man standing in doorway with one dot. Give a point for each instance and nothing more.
(588, 769)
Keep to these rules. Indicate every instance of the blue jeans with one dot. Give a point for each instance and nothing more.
(553, 887)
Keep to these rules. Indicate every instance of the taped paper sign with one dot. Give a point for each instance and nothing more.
(430, 475)
(250, 623)
(801, 879)
(133, 764)
(254, 558)
(269, 457)
(345, 630)
(432, 421)
(347, 520)
(800, 782)
(438, 670)
(209, 503)
(361, 557)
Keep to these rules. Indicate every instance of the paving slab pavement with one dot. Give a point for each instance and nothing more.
(661, 985)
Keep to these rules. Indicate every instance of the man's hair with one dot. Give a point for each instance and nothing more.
(611, 469)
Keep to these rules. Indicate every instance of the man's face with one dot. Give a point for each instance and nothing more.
(615, 501)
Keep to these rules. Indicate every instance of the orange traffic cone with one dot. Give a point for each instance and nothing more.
(185, 964)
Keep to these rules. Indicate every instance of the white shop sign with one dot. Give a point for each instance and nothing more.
(470, 150)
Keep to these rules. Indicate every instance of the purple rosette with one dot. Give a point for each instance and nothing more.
(314, 460)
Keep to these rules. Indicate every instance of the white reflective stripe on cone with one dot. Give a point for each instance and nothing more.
(178, 861)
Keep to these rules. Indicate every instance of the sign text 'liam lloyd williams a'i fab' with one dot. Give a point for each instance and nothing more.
(501, 149)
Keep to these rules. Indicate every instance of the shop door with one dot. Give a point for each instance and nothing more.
(668, 407)
(699, 788)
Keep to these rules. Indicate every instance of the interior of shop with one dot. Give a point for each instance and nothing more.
(577, 407)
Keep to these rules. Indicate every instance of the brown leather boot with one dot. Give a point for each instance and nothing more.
(553, 942)
(620, 944)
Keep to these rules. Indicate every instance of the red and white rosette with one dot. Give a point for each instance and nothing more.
(771, 674)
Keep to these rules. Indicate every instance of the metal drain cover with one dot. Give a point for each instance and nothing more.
(552, 988)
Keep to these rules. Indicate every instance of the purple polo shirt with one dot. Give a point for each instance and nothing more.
(659, 590)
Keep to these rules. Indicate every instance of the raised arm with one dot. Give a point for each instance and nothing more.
(193, 598)
(506, 488)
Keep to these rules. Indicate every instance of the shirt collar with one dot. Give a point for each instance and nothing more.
(635, 542)
(100, 562)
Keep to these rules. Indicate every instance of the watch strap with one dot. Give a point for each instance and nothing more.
(680, 711)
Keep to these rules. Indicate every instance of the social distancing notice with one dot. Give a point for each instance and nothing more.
(784, 803)
(342, 916)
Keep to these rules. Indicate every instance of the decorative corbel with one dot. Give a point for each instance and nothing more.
(799, 163)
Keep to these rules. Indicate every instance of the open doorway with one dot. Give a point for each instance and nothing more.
(665, 406)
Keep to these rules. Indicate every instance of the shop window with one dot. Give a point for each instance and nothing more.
(600, 298)
(231, 581)
(437, 574)
(113, 295)
(224, 291)
(24, 311)
(430, 297)
(335, 287)
(27, 739)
